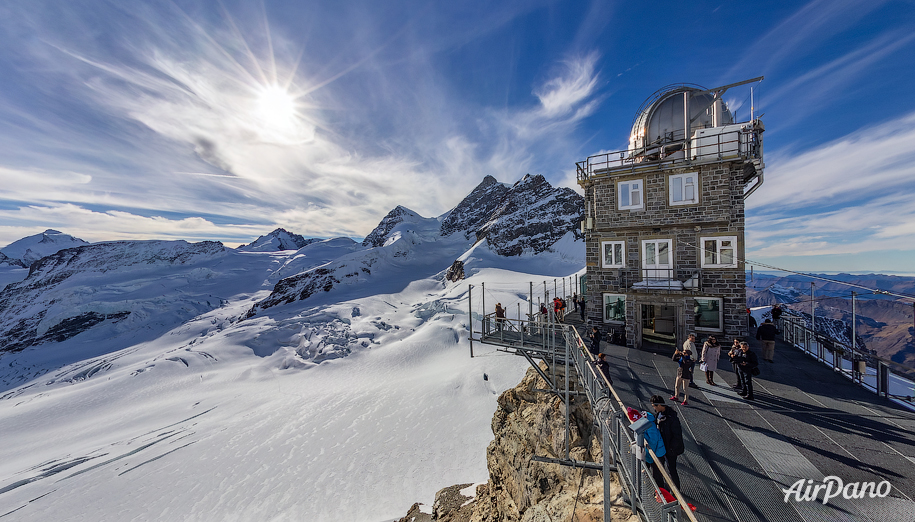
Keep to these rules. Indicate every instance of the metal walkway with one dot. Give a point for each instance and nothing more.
(808, 422)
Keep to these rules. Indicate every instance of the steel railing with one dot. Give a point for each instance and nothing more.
(561, 343)
(743, 144)
(885, 377)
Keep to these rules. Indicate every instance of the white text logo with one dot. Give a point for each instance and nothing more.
(832, 487)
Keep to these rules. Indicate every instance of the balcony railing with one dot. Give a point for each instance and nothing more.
(739, 141)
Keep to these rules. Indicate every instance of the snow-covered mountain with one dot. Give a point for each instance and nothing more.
(30, 249)
(279, 239)
(75, 289)
(135, 383)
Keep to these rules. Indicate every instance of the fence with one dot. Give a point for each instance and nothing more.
(561, 344)
(885, 377)
(704, 147)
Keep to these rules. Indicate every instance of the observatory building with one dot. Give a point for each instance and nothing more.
(664, 223)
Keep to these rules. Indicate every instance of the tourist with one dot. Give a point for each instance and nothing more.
(500, 316)
(684, 374)
(734, 355)
(749, 366)
(594, 336)
(776, 314)
(708, 362)
(690, 344)
(766, 333)
(672, 435)
(603, 366)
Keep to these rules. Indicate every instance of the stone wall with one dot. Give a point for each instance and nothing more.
(719, 212)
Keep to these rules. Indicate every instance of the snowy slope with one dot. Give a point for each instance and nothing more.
(30, 249)
(220, 419)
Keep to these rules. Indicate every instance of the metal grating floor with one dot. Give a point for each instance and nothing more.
(807, 422)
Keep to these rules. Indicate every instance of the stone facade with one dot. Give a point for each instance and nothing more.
(671, 297)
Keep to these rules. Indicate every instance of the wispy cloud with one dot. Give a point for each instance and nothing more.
(852, 195)
(168, 122)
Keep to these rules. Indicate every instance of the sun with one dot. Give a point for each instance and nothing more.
(276, 107)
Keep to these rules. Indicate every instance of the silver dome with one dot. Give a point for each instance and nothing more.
(660, 119)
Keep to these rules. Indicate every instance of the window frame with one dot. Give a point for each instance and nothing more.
(720, 327)
(717, 252)
(670, 189)
(621, 263)
(604, 303)
(641, 192)
(657, 271)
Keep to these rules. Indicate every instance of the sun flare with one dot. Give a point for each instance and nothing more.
(276, 107)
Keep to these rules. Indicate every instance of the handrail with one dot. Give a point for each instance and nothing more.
(796, 332)
(745, 145)
(673, 487)
(611, 423)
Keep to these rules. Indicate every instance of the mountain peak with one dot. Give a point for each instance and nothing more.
(379, 235)
(32, 248)
(279, 239)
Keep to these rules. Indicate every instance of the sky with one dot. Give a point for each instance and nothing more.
(224, 120)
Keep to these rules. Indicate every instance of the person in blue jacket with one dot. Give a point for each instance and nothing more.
(653, 440)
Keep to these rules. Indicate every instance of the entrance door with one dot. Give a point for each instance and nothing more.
(659, 324)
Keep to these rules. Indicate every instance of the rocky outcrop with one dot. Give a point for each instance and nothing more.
(476, 209)
(528, 423)
(533, 216)
(455, 272)
(8, 261)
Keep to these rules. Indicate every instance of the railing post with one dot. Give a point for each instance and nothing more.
(605, 442)
(470, 317)
(883, 379)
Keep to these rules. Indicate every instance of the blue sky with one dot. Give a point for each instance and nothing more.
(208, 120)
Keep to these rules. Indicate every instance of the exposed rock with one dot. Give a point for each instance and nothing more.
(455, 272)
(532, 216)
(528, 423)
(8, 261)
(528, 217)
(416, 514)
(476, 209)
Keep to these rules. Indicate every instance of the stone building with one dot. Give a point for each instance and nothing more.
(664, 224)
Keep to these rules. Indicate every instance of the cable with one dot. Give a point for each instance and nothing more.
(811, 276)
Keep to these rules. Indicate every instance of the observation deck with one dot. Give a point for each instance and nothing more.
(808, 421)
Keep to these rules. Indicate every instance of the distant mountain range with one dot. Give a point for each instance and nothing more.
(885, 324)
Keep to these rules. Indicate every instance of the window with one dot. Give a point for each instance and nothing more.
(707, 314)
(630, 194)
(613, 254)
(684, 189)
(657, 259)
(614, 308)
(719, 252)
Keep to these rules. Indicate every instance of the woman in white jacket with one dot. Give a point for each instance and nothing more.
(708, 363)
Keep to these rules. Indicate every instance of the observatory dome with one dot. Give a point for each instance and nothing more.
(660, 119)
